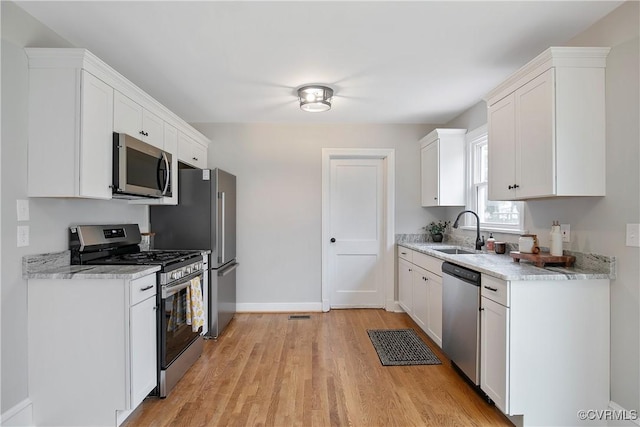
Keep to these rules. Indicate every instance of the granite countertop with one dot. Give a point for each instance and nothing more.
(56, 265)
(503, 267)
(129, 272)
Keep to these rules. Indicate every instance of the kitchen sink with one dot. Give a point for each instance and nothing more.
(455, 251)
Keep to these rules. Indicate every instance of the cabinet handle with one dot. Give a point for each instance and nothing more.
(435, 198)
(194, 158)
(491, 289)
(514, 186)
(146, 288)
(403, 253)
(410, 269)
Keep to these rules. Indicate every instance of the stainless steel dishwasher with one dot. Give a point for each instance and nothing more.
(461, 318)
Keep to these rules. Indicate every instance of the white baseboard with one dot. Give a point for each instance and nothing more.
(629, 418)
(278, 307)
(19, 415)
(393, 306)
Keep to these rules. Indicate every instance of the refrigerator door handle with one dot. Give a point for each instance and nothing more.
(228, 270)
(222, 227)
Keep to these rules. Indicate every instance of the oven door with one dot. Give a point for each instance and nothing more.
(175, 335)
(139, 169)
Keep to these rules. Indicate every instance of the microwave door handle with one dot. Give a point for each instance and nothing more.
(166, 181)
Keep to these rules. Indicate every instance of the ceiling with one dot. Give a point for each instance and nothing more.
(388, 62)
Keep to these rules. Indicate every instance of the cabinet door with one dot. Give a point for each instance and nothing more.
(153, 127)
(420, 297)
(434, 311)
(405, 286)
(127, 115)
(143, 349)
(190, 152)
(502, 151)
(95, 141)
(429, 174)
(535, 148)
(494, 352)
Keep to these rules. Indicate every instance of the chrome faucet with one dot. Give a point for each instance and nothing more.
(479, 243)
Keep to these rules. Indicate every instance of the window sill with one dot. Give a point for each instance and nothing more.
(493, 229)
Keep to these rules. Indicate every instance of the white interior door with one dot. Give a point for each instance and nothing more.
(356, 222)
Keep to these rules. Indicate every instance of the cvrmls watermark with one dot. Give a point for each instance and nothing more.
(607, 415)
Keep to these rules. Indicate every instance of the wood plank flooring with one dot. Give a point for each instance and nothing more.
(267, 370)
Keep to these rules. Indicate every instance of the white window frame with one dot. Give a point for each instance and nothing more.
(472, 139)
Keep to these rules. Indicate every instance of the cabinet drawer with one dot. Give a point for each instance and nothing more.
(429, 263)
(405, 253)
(142, 288)
(495, 289)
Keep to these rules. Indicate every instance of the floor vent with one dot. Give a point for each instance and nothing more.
(299, 316)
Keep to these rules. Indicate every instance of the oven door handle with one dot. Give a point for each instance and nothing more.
(168, 291)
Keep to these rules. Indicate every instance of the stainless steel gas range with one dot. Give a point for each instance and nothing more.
(179, 342)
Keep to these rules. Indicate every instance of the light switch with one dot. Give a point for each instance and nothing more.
(23, 235)
(22, 206)
(633, 235)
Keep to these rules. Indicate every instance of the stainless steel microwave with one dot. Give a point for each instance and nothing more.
(139, 169)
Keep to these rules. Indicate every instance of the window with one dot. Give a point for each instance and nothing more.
(503, 216)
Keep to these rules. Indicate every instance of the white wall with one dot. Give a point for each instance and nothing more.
(598, 224)
(49, 218)
(279, 198)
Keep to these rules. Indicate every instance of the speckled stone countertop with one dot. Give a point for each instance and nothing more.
(56, 266)
(503, 266)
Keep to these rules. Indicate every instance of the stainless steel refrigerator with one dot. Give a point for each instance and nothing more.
(205, 218)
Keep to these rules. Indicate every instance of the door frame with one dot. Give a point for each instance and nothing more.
(388, 227)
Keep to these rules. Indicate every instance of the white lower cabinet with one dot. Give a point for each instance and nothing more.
(544, 348)
(434, 309)
(420, 290)
(144, 376)
(420, 297)
(405, 284)
(92, 349)
(494, 352)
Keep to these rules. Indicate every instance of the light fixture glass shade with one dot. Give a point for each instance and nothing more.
(315, 98)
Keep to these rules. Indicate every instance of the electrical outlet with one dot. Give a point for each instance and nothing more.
(23, 235)
(22, 207)
(565, 230)
(633, 235)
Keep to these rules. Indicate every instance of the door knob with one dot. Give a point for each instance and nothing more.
(333, 240)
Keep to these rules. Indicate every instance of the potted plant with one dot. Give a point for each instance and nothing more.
(436, 229)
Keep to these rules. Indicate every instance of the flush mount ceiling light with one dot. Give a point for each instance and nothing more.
(315, 98)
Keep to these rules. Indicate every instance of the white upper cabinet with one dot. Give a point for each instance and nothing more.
(191, 152)
(442, 168)
(70, 122)
(76, 102)
(547, 127)
(129, 117)
(171, 146)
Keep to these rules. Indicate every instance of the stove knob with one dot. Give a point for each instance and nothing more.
(187, 270)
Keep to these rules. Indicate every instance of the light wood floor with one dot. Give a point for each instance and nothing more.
(267, 370)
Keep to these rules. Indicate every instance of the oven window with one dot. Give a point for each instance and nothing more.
(177, 334)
